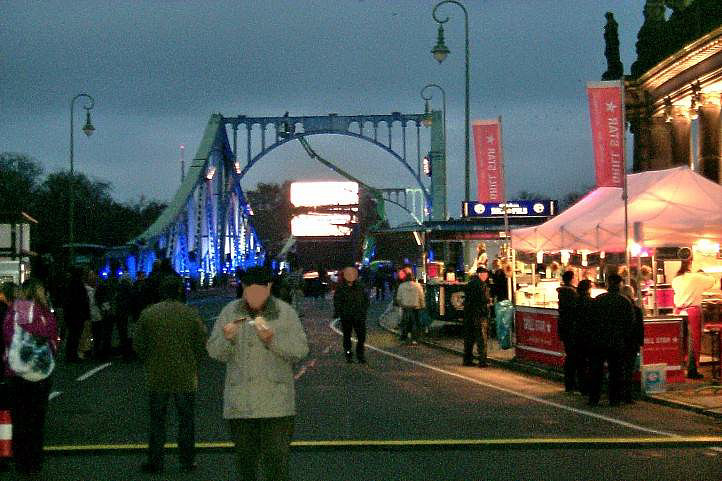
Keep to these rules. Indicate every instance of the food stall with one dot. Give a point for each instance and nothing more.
(673, 215)
(452, 248)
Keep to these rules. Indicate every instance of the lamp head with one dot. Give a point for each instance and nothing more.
(440, 50)
(88, 128)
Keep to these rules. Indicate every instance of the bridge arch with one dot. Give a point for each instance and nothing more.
(207, 229)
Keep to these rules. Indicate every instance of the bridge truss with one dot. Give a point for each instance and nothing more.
(207, 228)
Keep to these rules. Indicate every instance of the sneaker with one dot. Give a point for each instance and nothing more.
(362, 360)
(483, 364)
(467, 363)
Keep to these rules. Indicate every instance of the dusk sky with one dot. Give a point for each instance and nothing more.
(159, 69)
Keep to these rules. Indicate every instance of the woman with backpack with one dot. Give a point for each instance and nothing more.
(29, 320)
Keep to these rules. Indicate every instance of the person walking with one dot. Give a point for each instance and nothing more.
(476, 316)
(170, 339)
(76, 312)
(259, 338)
(410, 296)
(350, 304)
(567, 295)
(29, 405)
(615, 317)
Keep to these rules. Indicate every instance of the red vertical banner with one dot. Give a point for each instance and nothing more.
(489, 160)
(606, 111)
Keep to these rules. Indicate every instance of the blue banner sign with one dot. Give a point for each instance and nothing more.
(515, 208)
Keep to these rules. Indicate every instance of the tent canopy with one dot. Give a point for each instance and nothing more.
(675, 206)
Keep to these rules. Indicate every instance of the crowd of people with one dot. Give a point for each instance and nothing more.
(259, 337)
(607, 329)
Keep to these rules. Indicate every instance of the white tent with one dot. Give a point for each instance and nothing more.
(676, 207)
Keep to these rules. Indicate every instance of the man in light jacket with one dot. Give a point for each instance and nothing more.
(410, 296)
(259, 337)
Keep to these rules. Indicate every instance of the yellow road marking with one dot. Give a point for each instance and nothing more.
(410, 443)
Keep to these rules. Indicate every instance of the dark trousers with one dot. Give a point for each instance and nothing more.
(629, 366)
(109, 323)
(262, 439)
(28, 409)
(96, 329)
(615, 369)
(409, 323)
(75, 330)
(575, 367)
(185, 407)
(475, 332)
(359, 326)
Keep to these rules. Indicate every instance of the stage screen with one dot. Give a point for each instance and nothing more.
(332, 208)
(313, 194)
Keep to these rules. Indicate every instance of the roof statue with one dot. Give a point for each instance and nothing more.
(615, 69)
(649, 36)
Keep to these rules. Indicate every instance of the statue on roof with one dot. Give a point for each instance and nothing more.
(615, 69)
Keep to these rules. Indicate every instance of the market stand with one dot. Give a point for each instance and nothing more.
(675, 213)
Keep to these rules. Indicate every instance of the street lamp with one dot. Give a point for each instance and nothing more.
(88, 129)
(427, 110)
(440, 52)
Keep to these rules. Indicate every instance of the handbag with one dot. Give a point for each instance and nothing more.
(29, 356)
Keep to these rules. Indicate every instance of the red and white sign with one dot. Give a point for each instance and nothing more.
(489, 160)
(606, 110)
(537, 336)
(663, 345)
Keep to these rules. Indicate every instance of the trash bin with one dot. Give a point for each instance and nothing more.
(504, 312)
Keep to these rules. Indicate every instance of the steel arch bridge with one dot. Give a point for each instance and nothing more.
(207, 228)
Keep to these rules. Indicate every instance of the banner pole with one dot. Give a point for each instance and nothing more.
(625, 194)
(510, 281)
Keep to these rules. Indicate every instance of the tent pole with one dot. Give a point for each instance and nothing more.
(625, 195)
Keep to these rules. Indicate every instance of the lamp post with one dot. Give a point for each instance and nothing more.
(427, 110)
(440, 52)
(88, 129)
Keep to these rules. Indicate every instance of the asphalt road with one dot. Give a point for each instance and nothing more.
(410, 413)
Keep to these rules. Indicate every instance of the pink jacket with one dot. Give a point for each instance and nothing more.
(43, 325)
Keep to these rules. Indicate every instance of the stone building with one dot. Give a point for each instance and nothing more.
(673, 93)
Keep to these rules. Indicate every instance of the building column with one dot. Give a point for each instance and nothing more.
(661, 144)
(709, 136)
(681, 140)
(640, 127)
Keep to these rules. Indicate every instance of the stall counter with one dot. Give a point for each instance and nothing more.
(537, 340)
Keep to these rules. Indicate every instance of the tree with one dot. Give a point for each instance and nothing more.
(526, 195)
(272, 211)
(19, 177)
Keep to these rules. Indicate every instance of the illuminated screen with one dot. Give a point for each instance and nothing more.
(324, 218)
(320, 225)
(312, 194)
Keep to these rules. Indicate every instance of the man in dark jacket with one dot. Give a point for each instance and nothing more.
(476, 316)
(614, 315)
(567, 305)
(76, 313)
(171, 341)
(350, 303)
(633, 343)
